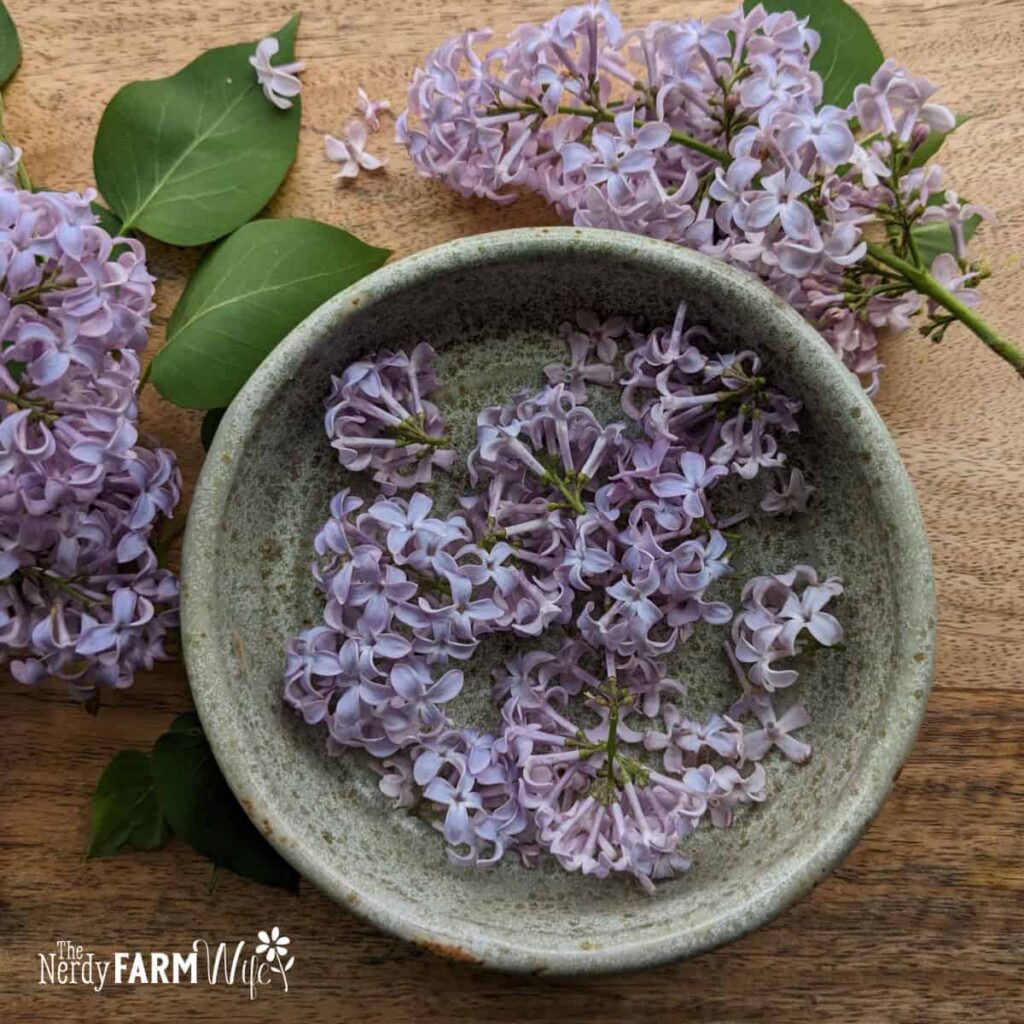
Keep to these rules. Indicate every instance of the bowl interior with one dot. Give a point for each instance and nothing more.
(492, 307)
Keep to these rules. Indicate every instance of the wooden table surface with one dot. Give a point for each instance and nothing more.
(923, 922)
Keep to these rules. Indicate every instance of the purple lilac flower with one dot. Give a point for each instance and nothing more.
(378, 418)
(777, 733)
(621, 130)
(82, 597)
(280, 84)
(350, 151)
(608, 532)
(370, 110)
(791, 498)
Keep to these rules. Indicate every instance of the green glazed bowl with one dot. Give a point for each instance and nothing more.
(492, 306)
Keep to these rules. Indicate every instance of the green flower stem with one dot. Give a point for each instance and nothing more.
(40, 408)
(618, 769)
(922, 281)
(439, 586)
(612, 747)
(606, 115)
(410, 432)
(571, 495)
(30, 296)
(42, 578)
(903, 223)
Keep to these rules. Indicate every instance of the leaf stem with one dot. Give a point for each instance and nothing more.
(923, 282)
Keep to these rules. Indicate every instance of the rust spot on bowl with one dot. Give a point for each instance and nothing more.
(236, 646)
(452, 952)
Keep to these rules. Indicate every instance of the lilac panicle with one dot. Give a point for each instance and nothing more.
(712, 135)
(82, 597)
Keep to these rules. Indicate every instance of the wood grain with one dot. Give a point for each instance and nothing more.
(925, 920)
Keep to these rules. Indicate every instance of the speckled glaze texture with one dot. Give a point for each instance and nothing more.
(491, 305)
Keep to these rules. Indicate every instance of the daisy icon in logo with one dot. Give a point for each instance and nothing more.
(274, 947)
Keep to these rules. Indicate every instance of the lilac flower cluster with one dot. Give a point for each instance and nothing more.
(378, 419)
(604, 534)
(712, 135)
(81, 595)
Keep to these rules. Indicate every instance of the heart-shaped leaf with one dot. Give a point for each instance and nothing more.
(245, 297)
(10, 48)
(125, 808)
(203, 811)
(849, 53)
(189, 158)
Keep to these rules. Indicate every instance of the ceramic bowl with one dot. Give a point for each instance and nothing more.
(492, 306)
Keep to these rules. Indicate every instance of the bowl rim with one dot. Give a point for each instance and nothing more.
(208, 675)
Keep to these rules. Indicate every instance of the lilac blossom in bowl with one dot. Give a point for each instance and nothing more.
(413, 627)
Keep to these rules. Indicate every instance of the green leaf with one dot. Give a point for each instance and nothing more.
(932, 239)
(208, 431)
(189, 158)
(849, 53)
(187, 723)
(112, 225)
(203, 811)
(933, 142)
(245, 297)
(125, 808)
(110, 222)
(10, 48)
